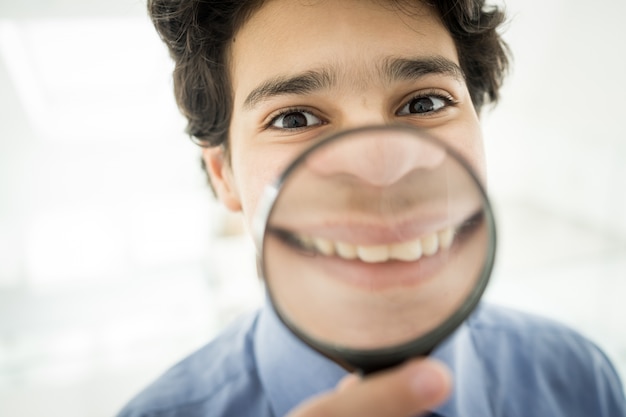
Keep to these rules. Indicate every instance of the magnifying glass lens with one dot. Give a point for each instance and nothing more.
(378, 243)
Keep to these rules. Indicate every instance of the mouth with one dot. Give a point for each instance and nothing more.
(411, 250)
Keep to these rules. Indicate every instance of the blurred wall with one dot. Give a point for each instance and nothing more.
(113, 258)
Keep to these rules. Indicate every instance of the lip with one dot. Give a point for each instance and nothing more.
(381, 276)
(370, 230)
(374, 277)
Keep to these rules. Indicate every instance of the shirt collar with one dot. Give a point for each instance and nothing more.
(291, 372)
(470, 396)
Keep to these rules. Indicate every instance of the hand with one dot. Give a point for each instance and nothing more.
(413, 388)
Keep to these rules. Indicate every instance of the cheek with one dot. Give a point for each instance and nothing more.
(254, 170)
(474, 152)
(466, 139)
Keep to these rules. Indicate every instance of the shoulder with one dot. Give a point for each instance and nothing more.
(513, 324)
(524, 334)
(544, 363)
(207, 382)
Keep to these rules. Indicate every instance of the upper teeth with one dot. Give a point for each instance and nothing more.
(411, 250)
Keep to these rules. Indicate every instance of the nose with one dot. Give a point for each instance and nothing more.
(378, 157)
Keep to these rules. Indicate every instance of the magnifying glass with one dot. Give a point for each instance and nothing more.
(375, 244)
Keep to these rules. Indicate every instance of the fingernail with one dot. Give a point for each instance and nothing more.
(428, 380)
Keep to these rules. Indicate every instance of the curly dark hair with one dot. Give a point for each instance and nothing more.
(197, 33)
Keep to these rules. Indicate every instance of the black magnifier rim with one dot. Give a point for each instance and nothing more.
(368, 361)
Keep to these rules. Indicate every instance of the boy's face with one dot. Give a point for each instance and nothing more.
(301, 70)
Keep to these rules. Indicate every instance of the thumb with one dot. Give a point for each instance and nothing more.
(414, 387)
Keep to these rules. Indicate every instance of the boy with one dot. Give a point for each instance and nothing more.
(259, 82)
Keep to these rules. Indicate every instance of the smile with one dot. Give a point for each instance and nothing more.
(402, 263)
(412, 250)
(408, 251)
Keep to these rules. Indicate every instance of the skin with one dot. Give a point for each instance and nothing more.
(349, 43)
(288, 38)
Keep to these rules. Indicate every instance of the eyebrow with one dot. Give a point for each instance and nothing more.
(395, 68)
(391, 69)
(303, 83)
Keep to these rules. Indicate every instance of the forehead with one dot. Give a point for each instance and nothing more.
(349, 36)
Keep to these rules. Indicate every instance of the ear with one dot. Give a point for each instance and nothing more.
(221, 177)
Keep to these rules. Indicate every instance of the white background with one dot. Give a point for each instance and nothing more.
(113, 257)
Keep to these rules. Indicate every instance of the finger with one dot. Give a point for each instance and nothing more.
(348, 381)
(415, 387)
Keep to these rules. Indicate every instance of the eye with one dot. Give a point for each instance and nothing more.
(295, 119)
(425, 104)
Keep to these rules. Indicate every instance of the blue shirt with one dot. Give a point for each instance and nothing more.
(504, 363)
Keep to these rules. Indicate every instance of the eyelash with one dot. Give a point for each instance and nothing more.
(447, 98)
(275, 116)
